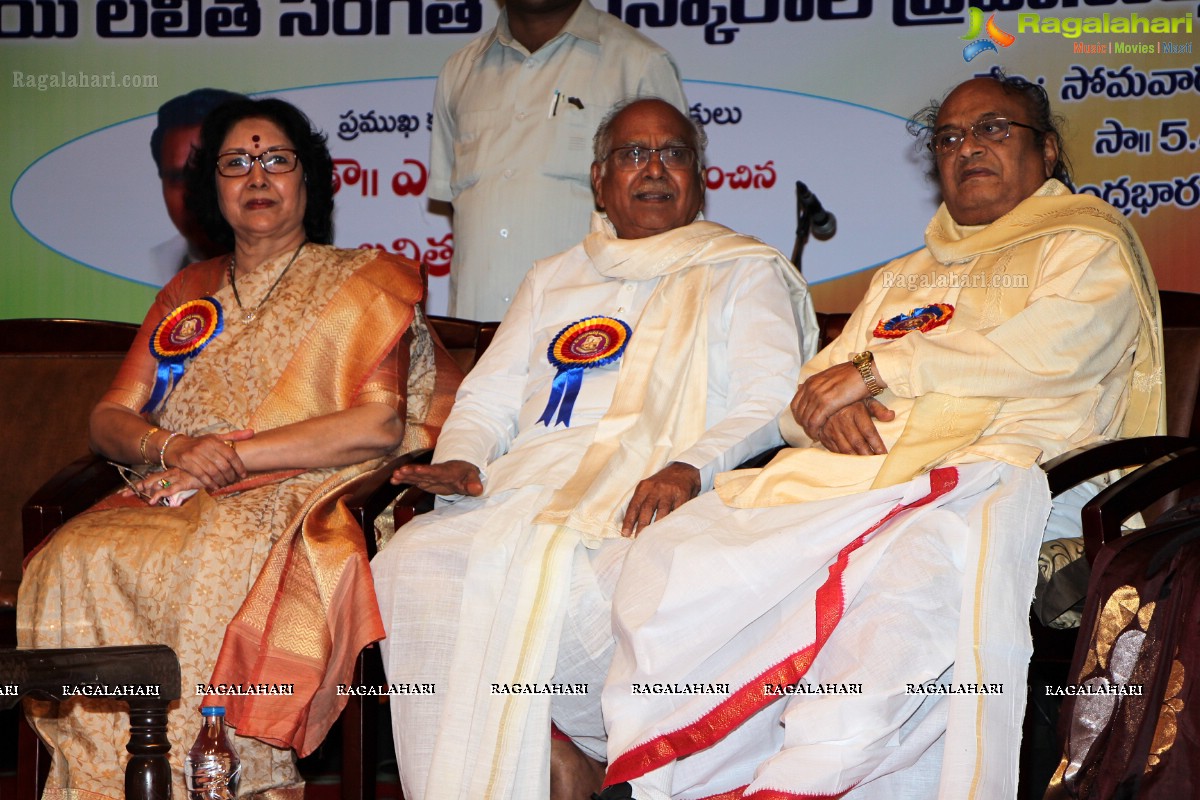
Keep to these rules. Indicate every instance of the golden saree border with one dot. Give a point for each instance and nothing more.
(317, 576)
(338, 354)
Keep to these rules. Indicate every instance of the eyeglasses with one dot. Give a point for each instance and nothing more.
(995, 129)
(277, 161)
(634, 158)
(129, 475)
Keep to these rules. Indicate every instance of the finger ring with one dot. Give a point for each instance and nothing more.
(230, 444)
(164, 483)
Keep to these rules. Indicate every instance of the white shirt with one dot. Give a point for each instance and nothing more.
(516, 164)
(753, 361)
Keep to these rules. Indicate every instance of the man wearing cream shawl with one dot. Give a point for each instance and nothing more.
(500, 599)
(851, 620)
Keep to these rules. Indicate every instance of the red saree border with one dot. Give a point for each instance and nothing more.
(774, 794)
(715, 725)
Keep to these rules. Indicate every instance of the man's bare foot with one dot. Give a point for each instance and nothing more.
(573, 775)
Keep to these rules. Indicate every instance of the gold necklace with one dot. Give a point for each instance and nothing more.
(249, 316)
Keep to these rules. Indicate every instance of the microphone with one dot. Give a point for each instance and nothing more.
(823, 224)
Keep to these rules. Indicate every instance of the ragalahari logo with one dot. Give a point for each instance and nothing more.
(995, 36)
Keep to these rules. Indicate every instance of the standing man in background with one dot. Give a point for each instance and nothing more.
(514, 115)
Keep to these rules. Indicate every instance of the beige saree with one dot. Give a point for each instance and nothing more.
(266, 584)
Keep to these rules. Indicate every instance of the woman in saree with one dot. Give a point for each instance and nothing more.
(261, 387)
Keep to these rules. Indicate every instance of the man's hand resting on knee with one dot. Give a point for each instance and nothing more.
(659, 495)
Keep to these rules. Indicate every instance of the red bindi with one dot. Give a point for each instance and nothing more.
(255, 140)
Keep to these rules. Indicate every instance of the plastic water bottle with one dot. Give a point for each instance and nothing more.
(212, 768)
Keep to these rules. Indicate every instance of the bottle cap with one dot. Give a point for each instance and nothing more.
(213, 711)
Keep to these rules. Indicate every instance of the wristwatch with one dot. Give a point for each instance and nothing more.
(862, 362)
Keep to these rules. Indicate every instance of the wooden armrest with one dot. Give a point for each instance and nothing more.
(87, 480)
(370, 499)
(1073, 468)
(762, 459)
(55, 674)
(1103, 514)
(145, 677)
(75, 488)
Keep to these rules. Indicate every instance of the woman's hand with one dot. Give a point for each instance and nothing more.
(212, 460)
(161, 485)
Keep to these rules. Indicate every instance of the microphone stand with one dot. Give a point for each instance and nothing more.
(803, 224)
(811, 217)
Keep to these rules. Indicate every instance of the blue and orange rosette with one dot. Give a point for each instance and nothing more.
(921, 320)
(590, 342)
(180, 336)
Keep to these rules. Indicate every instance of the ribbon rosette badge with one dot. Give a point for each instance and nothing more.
(178, 338)
(590, 342)
(921, 320)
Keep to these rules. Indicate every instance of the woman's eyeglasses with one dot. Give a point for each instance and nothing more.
(276, 161)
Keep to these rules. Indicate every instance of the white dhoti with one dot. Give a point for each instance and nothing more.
(866, 646)
(502, 656)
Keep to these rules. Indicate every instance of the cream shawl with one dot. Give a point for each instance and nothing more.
(940, 428)
(658, 410)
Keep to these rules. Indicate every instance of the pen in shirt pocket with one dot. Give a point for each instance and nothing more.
(556, 98)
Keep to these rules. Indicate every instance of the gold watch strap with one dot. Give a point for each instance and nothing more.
(863, 362)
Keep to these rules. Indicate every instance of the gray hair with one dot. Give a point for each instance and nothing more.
(602, 141)
(1037, 101)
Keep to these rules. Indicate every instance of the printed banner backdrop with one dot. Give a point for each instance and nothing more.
(811, 90)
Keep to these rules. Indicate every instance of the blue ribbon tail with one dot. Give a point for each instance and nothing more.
(574, 381)
(556, 393)
(166, 375)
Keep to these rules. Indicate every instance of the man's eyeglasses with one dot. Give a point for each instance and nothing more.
(996, 129)
(276, 161)
(634, 158)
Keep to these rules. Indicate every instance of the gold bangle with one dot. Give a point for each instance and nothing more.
(162, 451)
(146, 440)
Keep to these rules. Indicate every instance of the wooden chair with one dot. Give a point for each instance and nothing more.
(53, 371)
(1053, 648)
(1157, 563)
(87, 479)
(464, 339)
(56, 675)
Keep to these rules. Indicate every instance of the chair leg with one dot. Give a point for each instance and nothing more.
(360, 750)
(33, 762)
(148, 774)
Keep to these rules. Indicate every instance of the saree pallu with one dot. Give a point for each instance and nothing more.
(265, 584)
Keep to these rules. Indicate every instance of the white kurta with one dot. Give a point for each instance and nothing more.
(464, 556)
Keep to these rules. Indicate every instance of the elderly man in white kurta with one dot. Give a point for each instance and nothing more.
(513, 118)
(629, 370)
(852, 619)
